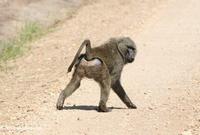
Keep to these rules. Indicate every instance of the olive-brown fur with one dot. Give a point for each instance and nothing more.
(110, 59)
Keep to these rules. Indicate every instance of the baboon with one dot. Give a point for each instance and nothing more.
(104, 64)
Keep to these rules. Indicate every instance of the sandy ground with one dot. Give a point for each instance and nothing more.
(14, 13)
(164, 81)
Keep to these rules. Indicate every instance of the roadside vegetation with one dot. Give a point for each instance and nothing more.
(16, 47)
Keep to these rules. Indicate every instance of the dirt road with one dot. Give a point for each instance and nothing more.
(164, 81)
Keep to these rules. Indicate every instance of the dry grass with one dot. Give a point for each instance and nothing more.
(16, 47)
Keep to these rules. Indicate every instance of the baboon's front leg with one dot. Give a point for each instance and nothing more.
(118, 89)
(70, 88)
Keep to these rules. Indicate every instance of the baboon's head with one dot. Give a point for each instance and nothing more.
(127, 49)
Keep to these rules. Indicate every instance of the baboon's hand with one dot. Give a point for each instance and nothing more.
(132, 106)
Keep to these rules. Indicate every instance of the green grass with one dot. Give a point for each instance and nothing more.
(17, 46)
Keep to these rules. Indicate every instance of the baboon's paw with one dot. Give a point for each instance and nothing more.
(132, 106)
(59, 106)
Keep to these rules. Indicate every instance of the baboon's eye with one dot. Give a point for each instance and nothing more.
(132, 48)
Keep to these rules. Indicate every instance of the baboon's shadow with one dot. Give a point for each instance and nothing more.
(87, 107)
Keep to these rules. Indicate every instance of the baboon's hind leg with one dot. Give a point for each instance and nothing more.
(70, 88)
(105, 92)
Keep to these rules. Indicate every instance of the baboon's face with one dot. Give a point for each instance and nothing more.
(128, 48)
(130, 55)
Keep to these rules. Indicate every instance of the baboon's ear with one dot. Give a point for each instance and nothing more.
(121, 48)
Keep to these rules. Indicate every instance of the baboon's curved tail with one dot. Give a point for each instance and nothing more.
(86, 43)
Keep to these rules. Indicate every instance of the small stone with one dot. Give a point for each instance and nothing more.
(2, 101)
(150, 108)
(78, 118)
(43, 85)
(44, 101)
(29, 110)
